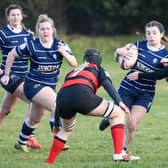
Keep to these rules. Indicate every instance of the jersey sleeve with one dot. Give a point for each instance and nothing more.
(158, 75)
(107, 84)
(2, 39)
(22, 49)
(67, 48)
(31, 36)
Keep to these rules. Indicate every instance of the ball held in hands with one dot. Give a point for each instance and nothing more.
(129, 59)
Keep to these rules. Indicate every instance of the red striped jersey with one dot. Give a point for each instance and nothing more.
(86, 74)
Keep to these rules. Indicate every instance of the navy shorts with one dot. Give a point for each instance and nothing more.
(76, 98)
(131, 98)
(14, 82)
(31, 88)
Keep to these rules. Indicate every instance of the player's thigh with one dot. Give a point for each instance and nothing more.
(100, 109)
(110, 110)
(20, 93)
(46, 97)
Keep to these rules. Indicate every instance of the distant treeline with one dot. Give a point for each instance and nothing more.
(93, 17)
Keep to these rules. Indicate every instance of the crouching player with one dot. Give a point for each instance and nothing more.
(83, 83)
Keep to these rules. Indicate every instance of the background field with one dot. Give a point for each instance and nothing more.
(91, 148)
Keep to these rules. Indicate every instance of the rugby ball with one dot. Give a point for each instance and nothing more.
(127, 61)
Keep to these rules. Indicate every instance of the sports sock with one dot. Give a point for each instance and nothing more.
(51, 124)
(117, 133)
(57, 120)
(56, 148)
(25, 132)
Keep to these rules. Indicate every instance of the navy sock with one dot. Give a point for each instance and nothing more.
(26, 131)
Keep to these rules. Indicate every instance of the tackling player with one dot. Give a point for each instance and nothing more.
(158, 75)
(82, 83)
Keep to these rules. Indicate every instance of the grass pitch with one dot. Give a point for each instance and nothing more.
(91, 148)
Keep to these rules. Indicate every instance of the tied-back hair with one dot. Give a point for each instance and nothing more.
(92, 56)
(160, 27)
(44, 18)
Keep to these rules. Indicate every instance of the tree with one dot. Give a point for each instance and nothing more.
(93, 17)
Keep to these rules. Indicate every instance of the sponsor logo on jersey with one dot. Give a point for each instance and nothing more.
(143, 67)
(155, 60)
(48, 68)
(25, 39)
(55, 56)
(22, 46)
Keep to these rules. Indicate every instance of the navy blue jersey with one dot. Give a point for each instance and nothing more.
(148, 61)
(163, 73)
(8, 40)
(45, 63)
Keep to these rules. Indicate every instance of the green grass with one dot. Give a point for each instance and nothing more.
(91, 148)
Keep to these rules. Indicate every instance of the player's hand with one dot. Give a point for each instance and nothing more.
(133, 75)
(124, 108)
(1, 71)
(5, 79)
(126, 51)
(122, 51)
(164, 61)
(128, 55)
(61, 48)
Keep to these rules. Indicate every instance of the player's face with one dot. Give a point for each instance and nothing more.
(153, 36)
(15, 18)
(45, 31)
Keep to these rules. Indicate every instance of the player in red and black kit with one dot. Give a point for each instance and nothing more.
(78, 94)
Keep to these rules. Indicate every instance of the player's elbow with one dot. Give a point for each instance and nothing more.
(73, 63)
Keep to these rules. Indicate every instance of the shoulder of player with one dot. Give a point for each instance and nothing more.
(4, 31)
(28, 31)
(141, 43)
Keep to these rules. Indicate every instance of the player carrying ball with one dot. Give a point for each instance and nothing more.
(138, 95)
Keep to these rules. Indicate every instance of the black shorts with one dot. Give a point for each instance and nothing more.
(76, 98)
(14, 82)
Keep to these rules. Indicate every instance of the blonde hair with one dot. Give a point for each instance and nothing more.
(44, 18)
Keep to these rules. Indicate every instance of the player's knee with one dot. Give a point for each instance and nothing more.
(118, 115)
(133, 124)
(4, 113)
(68, 126)
(7, 113)
(109, 109)
(132, 127)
